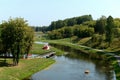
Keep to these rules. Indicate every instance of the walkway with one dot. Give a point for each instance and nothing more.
(107, 53)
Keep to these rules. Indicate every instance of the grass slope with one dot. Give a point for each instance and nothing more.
(26, 68)
(37, 49)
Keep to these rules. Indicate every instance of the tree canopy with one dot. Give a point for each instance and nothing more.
(109, 29)
(17, 38)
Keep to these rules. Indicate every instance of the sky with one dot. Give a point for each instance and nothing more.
(43, 12)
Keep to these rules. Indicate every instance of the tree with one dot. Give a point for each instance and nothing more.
(100, 25)
(90, 23)
(83, 18)
(67, 32)
(55, 34)
(109, 29)
(71, 22)
(29, 39)
(117, 22)
(59, 24)
(52, 26)
(1, 46)
(17, 37)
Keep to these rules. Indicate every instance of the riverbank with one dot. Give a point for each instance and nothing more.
(26, 68)
(37, 49)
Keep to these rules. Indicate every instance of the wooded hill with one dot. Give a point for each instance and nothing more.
(62, 23)
(103, 30)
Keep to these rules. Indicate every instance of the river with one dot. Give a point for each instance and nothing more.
(68, 68)
(73, 65)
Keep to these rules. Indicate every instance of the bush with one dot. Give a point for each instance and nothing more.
(74, 39)
(98, 40)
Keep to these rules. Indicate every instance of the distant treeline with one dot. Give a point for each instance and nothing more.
(62, 23)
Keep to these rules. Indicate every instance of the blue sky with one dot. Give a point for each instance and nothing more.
(42, 12)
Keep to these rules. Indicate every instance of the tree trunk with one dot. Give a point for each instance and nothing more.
(17, 55)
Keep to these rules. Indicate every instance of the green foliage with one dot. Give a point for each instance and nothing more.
(100, 25)
(69, 22)
(54, 35)
(97, 38)
(109, 29)
(17, 37)
(117, 22)
(89, 23)
(83, 31)
(66, 32)
(84, 18)
(74, 39)
(116, 32)
(97, 41)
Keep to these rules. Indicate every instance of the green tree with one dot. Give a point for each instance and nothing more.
(59, 24)
(55, 34)
(83, 31)
(1, 45)
(109, 29)
(117, 22)
(67, 32)
(71, 22)
(52, 26)
(100, 25)
(90, 23)
(83, 18)
(28, 40)
(17, 37)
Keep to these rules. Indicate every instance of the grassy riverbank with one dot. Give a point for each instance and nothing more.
(26, 68)
(37, 49)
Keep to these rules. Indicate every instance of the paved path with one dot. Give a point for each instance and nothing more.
(107, 53)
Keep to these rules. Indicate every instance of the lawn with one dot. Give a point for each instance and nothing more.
(37, 49)
(25, 69)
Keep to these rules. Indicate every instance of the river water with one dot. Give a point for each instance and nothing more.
(73, 66)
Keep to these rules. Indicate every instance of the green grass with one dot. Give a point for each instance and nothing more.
(37, 49)
(25, 69)
(84, 40)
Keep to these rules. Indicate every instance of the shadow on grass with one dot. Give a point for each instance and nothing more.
(3, 63)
